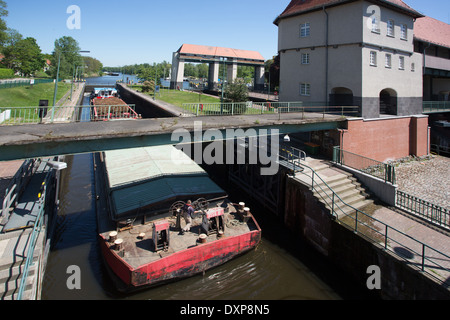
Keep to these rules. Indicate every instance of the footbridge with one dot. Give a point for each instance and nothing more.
(42, 140)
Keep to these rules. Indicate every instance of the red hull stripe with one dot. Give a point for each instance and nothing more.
(184, 263)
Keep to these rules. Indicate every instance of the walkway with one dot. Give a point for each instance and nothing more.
(65, 114)
(408, 236)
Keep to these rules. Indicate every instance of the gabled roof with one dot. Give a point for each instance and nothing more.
(297, 7)
(192, 49)
(431, 30)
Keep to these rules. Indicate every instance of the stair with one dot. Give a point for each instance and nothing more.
(12, 264)
(349, 193)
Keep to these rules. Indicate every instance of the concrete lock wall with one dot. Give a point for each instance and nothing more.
(305, 217)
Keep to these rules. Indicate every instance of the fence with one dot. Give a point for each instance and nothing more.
(436, 106)
(248, 108)
(424, 209)
(369, 166)
(30, 115)
(416, 253)
(22, 83)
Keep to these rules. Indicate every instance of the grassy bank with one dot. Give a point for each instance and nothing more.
(29, 96)
(177, 98)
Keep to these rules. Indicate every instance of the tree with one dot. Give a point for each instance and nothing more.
(3, 28)
(236, 91)
(29, 58)
(93, 65)
(67, 51)
(22, 55)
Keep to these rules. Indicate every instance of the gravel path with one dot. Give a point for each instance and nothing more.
(427, 179)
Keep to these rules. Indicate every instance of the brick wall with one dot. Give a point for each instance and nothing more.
(387, 139)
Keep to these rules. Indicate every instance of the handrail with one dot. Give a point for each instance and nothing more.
(387, 228)
(370, 167)
(34, 236)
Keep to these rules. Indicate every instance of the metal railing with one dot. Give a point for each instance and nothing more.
(414, 252)
(440, 150)
(16, 186)
(249, 108)
(34, 115)
(366, 165)
(424, 209)
(436, 106)
(34, 236)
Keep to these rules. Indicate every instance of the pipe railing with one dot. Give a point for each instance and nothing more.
(366, 165)
(32, 242)
(429, 259)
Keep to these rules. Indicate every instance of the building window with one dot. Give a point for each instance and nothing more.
(390, 28)
(375, 25)
(304, 30)
(404, 32)
(388, 61)
(401, 63)
(413, 67)
(373, 58)
(305, 89)
(305, 58)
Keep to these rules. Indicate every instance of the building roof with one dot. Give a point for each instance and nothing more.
(192, 49)
(297, 7)
(431, 30)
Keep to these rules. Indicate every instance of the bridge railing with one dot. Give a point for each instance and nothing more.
(249, 108)
(436, 106)
(34, 115)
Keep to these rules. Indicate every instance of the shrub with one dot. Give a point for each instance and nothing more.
(6, 73)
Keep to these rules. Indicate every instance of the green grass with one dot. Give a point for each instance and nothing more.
(28, 96)
(177, 98)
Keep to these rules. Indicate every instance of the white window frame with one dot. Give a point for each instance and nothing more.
(305, 58)
(305, 30)
(388, 60)
(375, 25)
(404, 32)
(390, 28)
(413, 67)
(305, 89)
(401, 63)
(373, 58)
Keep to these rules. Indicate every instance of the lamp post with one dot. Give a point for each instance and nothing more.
(57, 78)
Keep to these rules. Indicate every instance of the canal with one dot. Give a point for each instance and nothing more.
(280, 268)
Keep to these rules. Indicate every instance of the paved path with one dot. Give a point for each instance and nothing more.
(66, 106)
(426, 179)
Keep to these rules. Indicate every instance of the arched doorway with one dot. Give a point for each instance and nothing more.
(388, 102)
(341, 96)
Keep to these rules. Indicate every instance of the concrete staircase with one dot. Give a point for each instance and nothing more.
(346, 187)
(12, 262)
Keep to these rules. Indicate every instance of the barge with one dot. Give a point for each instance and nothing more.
(107, 105)
(140, 218)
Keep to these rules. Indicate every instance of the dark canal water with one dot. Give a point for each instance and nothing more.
(277, 269)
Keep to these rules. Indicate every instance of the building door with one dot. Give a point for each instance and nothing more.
(388, 102)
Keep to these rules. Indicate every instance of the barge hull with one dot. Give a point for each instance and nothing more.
(177, 266)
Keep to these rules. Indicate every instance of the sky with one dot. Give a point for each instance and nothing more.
(147, 31)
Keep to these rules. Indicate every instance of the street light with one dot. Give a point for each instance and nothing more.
(57, 77)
